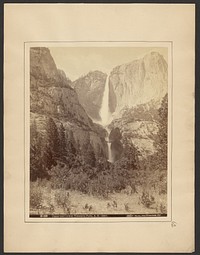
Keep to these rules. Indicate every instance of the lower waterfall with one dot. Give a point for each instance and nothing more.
(110, 158)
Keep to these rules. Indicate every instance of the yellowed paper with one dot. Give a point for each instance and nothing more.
(105, 36)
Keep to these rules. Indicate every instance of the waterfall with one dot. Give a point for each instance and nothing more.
(110, 159)
(105, 116)
(104, 111)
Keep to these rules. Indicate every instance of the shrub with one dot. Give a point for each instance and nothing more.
(62, 199)
(147, 200)
(163, 208)
(36, 198)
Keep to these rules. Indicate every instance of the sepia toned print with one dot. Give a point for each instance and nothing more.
(98, 132)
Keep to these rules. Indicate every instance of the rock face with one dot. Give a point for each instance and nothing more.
(51, 95)
(140, 125)
(136, 91)
(138, 82)
(90, 89)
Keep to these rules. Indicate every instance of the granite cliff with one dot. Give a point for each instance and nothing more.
(136, 90)
(51, 95)
(138, 82)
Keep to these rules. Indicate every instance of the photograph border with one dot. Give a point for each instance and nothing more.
(101, 219)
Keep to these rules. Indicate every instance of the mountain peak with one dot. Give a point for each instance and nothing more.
(95, 72)
(154, 57)
(89, 89)
(154, 53)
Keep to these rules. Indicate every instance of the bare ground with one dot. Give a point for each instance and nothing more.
(74, 202)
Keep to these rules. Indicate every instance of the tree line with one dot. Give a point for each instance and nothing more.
(54, 146)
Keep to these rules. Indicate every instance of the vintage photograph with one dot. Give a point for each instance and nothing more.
(98, 132)
(99, 128)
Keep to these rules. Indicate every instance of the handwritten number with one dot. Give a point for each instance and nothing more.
(173, 224)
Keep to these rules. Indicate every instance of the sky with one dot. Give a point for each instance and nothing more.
(78, 61)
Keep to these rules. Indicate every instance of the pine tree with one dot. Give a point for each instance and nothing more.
(47, 150)
(33, 131)
(52, 137)
(160, 158)
(162, 133)
(62, 140)
(89, 155)
(99, 153)
(71, 143)
(47, 158)
(35, 150)
(40, 162)
(131, 155)
(126, 167)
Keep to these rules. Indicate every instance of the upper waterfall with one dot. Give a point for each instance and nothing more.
(105, 111)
